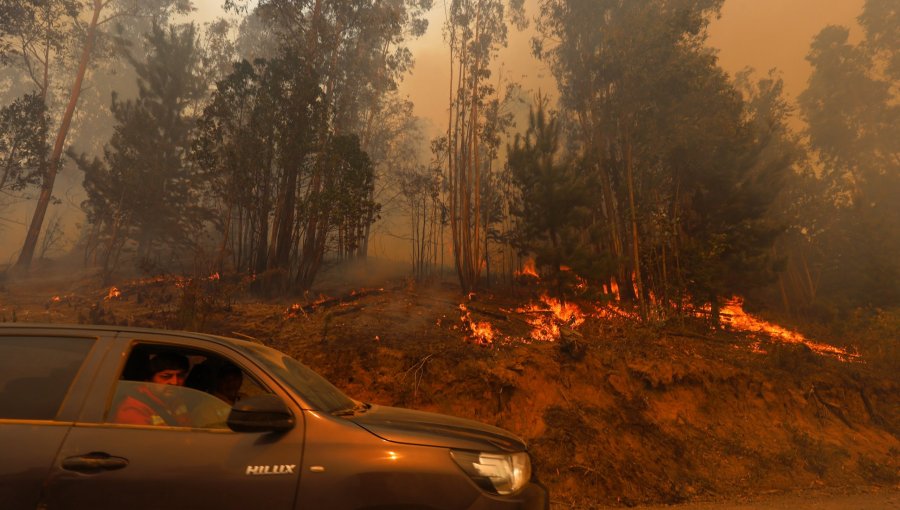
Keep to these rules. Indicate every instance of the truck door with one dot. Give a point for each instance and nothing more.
(183, 459)
(39, 398)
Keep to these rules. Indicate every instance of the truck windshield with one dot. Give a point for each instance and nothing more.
(313, 388)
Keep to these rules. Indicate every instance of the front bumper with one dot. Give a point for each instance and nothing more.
(533, 497)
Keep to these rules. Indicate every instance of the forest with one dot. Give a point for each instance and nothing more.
(270, 144)
(676, 282)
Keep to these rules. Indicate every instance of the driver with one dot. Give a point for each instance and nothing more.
(154, 402)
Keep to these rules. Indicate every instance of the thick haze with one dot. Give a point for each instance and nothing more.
(762, 34)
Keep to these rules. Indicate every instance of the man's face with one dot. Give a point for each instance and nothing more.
(168, 378)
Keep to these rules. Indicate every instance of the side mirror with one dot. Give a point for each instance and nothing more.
(260, 413)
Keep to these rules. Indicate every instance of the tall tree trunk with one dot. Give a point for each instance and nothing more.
(49, 177)
(282, 230)
(635, 238)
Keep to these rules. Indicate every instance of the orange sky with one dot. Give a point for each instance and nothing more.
(762, 34)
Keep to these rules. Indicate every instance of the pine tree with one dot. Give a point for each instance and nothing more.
(552, 206)
(145, 190)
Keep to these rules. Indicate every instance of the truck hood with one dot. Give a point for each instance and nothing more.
(431, 429)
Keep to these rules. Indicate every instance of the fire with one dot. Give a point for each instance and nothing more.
(568, 313)
(294, 310)
(483, 333)
(613, 289)
(214, 276)
(734, 316)
(547, 318)
(528, 269)
(55, 299)
(113, 293)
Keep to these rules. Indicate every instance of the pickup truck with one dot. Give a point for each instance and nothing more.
(240, 426)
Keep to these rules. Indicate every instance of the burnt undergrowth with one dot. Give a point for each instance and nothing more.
(615, 412)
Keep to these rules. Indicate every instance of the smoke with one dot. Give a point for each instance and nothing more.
(762, 34)
(767, 34)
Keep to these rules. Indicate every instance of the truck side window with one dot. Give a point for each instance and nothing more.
(165, 386)
(35, 374)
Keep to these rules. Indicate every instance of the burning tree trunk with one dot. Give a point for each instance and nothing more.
(635, 238)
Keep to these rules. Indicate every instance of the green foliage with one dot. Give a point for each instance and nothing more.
(144, 190)
(290, 139)
(553, 197)
(23, 143)
(347, 194)
(475, 30)
(271, 172)
(853, 116)
(684, 166)
(236, 151)
(28, 29)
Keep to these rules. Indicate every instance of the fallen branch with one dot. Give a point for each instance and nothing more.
(332, 302)
(496, 315)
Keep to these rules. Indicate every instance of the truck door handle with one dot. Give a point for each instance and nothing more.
(94, 462)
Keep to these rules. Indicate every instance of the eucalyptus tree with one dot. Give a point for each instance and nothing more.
(853, 116)
(355, 53)
(685, 186)
(235, 148)
(420, 190)
(252, 144)
(617, 64)
(255, 145)
(340, 205)
(475, 30)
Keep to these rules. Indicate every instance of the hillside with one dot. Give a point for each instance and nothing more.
(616, 413)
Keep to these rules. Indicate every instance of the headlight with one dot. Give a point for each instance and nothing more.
(498, 473)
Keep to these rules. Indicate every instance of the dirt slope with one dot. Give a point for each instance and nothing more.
(615, 414)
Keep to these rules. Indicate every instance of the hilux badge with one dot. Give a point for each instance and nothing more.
(277, 469)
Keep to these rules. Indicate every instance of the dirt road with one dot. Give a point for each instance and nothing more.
(887, 499)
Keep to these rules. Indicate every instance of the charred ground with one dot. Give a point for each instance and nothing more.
(616, 413)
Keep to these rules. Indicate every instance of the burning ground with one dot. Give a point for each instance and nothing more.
(616, 413)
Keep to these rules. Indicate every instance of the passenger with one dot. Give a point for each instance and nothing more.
(228, 383)
(213, 413)
(155, 402)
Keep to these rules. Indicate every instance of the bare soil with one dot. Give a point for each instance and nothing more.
(617, 414)
(874, 499)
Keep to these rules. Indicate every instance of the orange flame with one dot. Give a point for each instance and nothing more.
(613, 289)
(547, 318)
(528, 269)
(55, 299)
(113, 293)
(482, 333)
(734, 316)
(294, 310)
